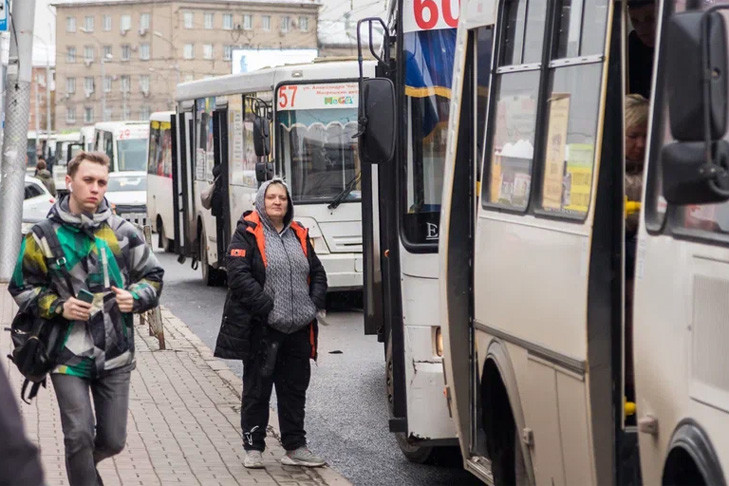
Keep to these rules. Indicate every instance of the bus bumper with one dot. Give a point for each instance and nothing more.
(344, 271)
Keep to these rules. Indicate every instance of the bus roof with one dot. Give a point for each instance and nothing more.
(266, 79)
(163, 116)
(129, 129)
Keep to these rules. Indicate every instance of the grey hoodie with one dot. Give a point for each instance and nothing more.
(287, 270)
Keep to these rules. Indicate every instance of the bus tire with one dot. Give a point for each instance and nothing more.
(210, 275)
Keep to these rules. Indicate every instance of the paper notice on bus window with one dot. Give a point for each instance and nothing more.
(317, 96)
(578, 177)
(419, 15)
(559, 115)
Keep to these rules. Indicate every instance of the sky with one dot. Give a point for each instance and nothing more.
(331, 14)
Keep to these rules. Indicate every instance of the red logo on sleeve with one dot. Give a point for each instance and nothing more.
(237, 252)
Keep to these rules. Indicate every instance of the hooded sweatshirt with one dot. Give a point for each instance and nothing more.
(100, 250)
(46, 178)
(287, 269)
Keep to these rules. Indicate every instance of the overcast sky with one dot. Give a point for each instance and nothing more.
(331, 10)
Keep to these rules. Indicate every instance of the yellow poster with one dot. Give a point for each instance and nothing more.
(559, 114)
(578, 179)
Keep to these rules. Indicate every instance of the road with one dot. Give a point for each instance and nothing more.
(346, 419)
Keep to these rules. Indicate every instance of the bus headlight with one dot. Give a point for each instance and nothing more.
(438, 341)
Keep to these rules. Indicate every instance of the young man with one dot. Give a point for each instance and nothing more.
(106, 256)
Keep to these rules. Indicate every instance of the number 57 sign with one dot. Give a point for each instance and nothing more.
(430, 14)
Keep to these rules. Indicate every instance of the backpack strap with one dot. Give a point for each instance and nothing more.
(33, 390)
(45, 229)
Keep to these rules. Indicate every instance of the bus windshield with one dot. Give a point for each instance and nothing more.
(132, 154)
(317, 153)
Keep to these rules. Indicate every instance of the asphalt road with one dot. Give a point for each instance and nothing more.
(346, 419)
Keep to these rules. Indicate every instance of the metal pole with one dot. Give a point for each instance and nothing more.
(17, 111)
(48, 91)
(103, 86)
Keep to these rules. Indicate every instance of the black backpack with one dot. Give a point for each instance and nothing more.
(37, 341)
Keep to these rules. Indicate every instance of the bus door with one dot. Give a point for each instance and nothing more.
(176, 186)
(220, 149)
(403, 206)
(183, 181)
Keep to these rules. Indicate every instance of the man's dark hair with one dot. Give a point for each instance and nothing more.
(97, 157)
(41, 165)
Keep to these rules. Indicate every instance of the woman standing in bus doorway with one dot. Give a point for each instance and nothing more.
(276, 288)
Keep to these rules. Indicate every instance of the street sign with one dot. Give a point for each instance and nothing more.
(4, 15)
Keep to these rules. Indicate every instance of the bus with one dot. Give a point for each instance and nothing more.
(296, 122)
(567, 360)
(160, 190)
(65, 147)
(124, 142)
(401, 208)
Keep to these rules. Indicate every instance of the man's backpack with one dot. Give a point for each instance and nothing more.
(37, 341)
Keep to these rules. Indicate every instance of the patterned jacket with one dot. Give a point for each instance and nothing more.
(101, 250)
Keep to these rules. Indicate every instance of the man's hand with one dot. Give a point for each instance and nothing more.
(124, 299)
(76, 310)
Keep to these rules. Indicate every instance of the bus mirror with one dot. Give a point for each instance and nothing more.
(261, 137)
(688, 178)
(377, 120)
(264, 171)
(690, 42)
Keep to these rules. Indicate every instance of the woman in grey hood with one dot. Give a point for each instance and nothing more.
(276, 287)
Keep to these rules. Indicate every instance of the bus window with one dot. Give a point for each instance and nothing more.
(108, 145)
(132, 154)
(484, 41)
(318, 154)
(204, 159)
(154, 135)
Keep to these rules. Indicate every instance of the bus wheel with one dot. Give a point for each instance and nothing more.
(413, 452)
(210, 275)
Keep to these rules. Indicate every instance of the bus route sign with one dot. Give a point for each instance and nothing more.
(317, 96)
(4, 15)
(418, 15)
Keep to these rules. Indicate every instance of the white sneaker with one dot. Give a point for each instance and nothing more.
(253, 460)
(302, 457)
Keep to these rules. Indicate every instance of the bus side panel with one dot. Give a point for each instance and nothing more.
(174, 222)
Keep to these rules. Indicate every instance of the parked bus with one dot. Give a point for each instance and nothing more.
(310, 112)
(160, 190)
(65, 146)
(535, 270)
(401, 209)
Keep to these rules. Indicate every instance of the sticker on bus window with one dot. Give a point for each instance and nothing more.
(554, 173)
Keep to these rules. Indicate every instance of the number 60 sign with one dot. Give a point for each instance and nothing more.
(430, 14)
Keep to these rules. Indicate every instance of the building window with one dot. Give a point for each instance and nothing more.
(107, 114)
(144, 112)
(304, 24)
(144, 22)
(208, 51)
(209, 20)
(88, 85)
(227, 53)
(70, 85)
(126, 22)
(144, 52)
(189, 51)
(125, 83)
(70, 24)
(266, 22)
(144, 82)
(71, 114)
(126, 52)
(89, 114)
(107, 84)
(107, 23)
(228, 21)
(247, 22)
(89, 23)
(285, 24)
(106, 53)
(188, 18)
(88, 54)
(70, 54)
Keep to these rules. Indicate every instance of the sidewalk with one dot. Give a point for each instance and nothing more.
(184, 420)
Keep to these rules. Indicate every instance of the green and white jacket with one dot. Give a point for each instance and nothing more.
(101, 250)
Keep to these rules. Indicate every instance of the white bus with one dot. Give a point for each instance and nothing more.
(160, 210)
(533, 292)
(401, 211)
(65, 147)
(312, 110)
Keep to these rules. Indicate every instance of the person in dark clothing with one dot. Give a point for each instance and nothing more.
(641, 46)
(19, 460)
(45, 176)
(276, 288)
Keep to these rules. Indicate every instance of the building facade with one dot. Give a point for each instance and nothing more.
(42, 99)
(121, 59)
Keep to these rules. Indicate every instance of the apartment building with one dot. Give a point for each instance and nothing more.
(121, 59)
(42, 96)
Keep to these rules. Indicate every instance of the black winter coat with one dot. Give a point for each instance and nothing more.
(246, 305)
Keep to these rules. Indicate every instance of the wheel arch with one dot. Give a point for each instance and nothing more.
(690, 442)
(497, 356)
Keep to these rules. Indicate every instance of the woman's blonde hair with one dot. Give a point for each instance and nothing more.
(636, 111)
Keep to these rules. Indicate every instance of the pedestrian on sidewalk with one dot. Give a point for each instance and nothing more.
(107, 260)
(44, 175)
(276, 288)
(19, 460)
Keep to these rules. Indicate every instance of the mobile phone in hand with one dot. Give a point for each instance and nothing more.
(85, 296)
